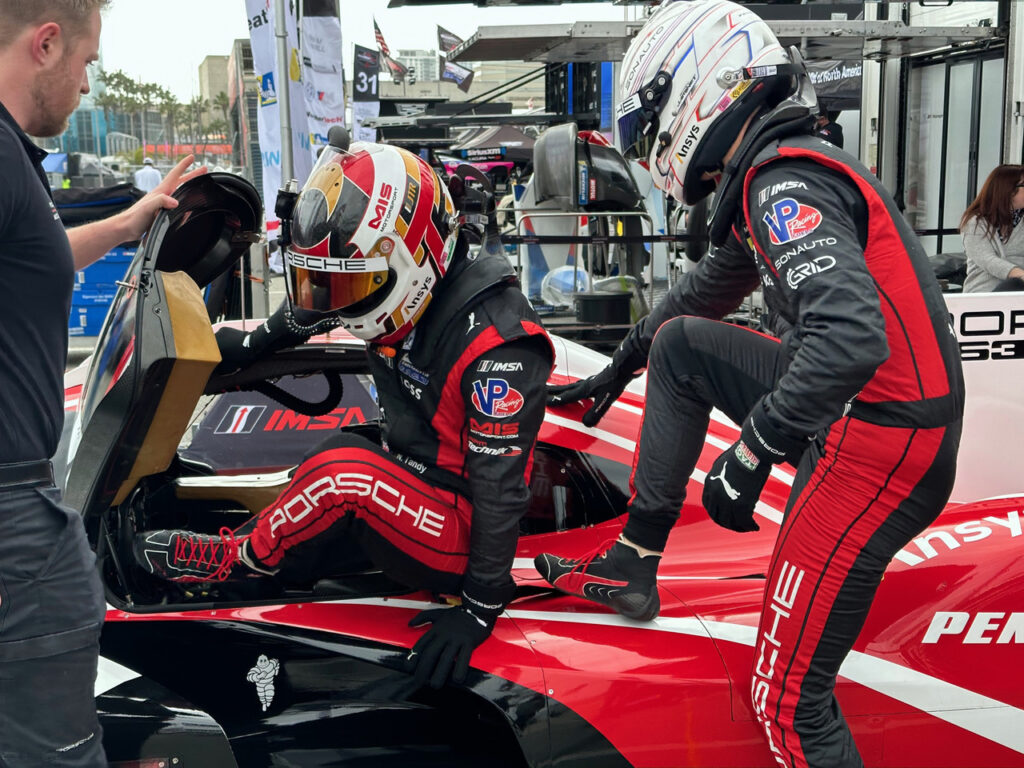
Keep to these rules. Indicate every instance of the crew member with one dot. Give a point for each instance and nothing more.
(51, 599)
(147, 178)
(864, 394)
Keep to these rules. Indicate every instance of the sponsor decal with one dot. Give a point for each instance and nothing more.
(767, 646)
(240, 420)
(408, 369)
(815, 266)
(996, 334)
(981, 628)
(325, 264)
(690, 141)
(268, 93)
(583, 186)
(380, 208)
(746, 456)
(774, 189)
(262, 676)
(495, 398)
(472, 323)
(736, 92)
(412, 389)
(802, 247)
(494, 429)
(379, 494)
(505, 450)
(282, 420)
(498, 366)
(926, 547)
(790, 220)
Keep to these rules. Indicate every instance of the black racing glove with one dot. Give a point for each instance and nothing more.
(606, 385)
(735, 480)
(454, 634)
(240, 349)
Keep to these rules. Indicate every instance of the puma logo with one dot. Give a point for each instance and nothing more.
(732, 493)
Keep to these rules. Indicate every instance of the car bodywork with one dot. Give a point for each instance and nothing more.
(258, 674)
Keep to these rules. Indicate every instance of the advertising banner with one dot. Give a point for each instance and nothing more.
(323, 77)
(455, 73)
(447, 41)
(362, 110)
(264, 56)
(365, 75)
(836, 82)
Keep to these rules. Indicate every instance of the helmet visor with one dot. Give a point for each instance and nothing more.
(637, 128)
(339, 285)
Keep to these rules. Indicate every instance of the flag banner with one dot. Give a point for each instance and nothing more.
(395, 69)
(381, 45)
(455, 73)
(361, 110)
(264, 57)
(365, 75)
(447, 41)
(323, 76)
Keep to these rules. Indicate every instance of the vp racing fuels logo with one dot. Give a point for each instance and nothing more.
(495, 398)
(790, 220)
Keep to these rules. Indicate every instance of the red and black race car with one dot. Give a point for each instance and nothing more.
(259, 675)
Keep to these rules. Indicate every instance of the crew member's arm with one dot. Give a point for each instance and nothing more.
(813, 234)
(715, 288)
(91, 241)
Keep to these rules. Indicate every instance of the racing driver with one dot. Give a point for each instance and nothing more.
(459, 360)
(863, 393)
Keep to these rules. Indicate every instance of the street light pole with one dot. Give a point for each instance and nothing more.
(283, 90)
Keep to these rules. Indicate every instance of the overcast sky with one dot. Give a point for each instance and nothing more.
(164, 42)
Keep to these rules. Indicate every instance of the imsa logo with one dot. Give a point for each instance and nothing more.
(240, 420)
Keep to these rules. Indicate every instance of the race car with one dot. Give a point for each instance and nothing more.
(256, 674)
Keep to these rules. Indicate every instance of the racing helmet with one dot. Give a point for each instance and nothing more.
(372, 234)
(692, 76)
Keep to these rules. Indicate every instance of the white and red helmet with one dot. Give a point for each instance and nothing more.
(692, 76)
(372, 234)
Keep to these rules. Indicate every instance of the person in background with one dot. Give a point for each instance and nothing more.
(993, 233)
(459, 359)
(826, 127)
(51, 599)
(147, 178)
(864, 395)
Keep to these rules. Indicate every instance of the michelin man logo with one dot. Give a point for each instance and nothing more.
(263, 675)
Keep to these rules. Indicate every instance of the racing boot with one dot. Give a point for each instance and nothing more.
(185, 556)
(617, 577)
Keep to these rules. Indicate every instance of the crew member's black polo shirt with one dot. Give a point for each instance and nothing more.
(37, 276)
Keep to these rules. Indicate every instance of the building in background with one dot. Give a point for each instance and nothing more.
(213, 80)
(422, 64)
(243, 89)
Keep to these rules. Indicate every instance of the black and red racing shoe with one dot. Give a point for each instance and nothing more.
(616, 576)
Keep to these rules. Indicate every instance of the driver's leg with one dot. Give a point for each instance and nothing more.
(414, 531)
(694, 365)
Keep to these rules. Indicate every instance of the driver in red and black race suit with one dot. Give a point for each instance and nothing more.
(459, 361)
(863, 393)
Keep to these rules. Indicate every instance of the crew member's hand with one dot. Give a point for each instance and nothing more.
(735, 480)
(606, 385)
(454, 633)
(137, 219)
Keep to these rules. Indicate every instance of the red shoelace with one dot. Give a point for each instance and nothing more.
(206, 551)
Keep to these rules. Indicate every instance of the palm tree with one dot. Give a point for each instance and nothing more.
(170, 110)
(221, 102)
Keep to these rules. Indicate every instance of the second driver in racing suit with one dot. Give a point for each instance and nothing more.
(864, 393)
(459, 361)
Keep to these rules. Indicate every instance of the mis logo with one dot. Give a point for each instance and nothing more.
(268, 93)
(790, 220)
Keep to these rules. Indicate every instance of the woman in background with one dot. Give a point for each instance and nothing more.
(993, 233)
